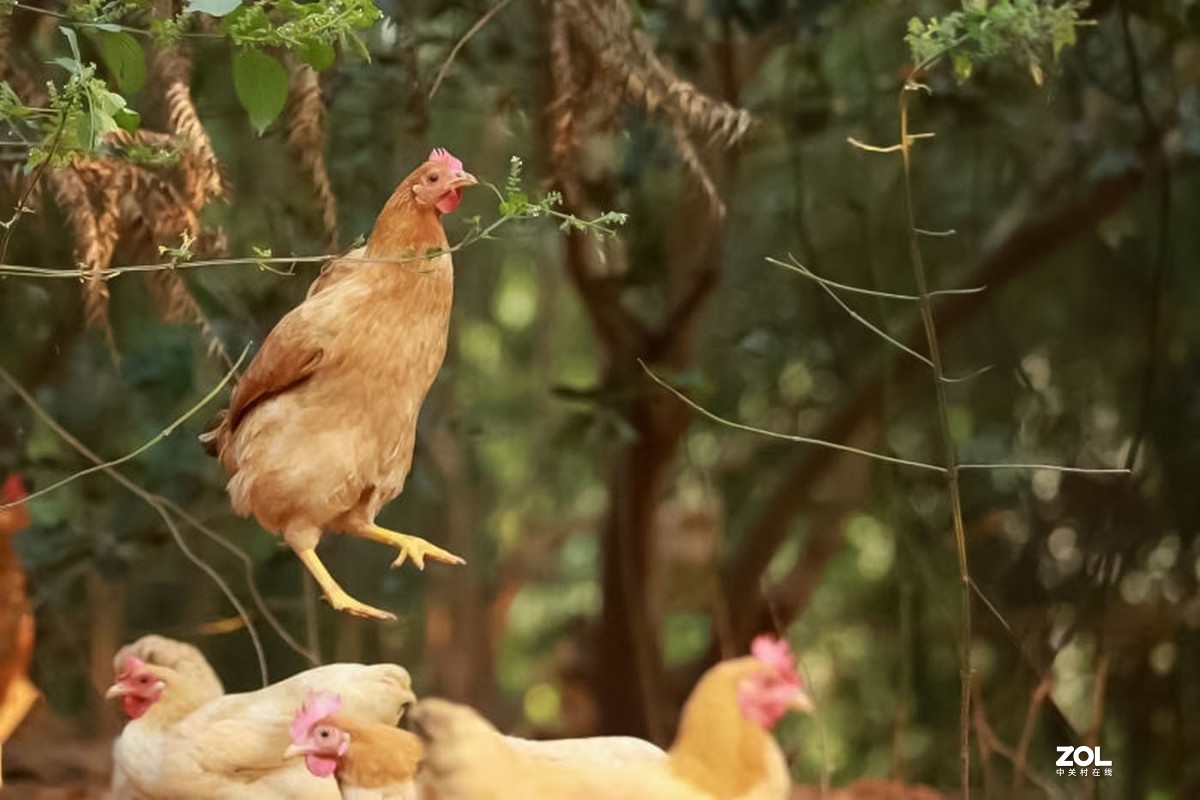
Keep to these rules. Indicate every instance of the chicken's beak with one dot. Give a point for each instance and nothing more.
(801, 703)
(115, 691)
(462, 178)
(296, 750)
(406, 708)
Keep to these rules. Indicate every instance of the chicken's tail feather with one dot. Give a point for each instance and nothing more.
(212, 438)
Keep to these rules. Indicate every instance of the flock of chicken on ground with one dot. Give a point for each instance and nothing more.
(345, 374)
(332, 732)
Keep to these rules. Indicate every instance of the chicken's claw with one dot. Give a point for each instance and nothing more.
(349, 605)
(336, 595)
(419, 549)
(413, 547)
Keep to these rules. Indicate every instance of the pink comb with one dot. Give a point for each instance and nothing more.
(777, 654)
(132, 665)
(443, 155)
(14, 490)
(317, 707)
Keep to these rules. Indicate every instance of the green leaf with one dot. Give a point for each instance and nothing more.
(963, 66)
(359, 47)
(128, 119)
(214, 8)
(261, 83)
(69, 64)
(73, 41)
(318, 55)
(124, 58)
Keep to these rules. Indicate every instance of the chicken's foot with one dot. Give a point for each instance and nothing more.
(412, 547)
(335, 594)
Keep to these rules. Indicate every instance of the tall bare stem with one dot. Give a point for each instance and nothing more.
(950, 453)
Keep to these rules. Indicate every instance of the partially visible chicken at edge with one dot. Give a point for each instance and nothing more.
(723, 751)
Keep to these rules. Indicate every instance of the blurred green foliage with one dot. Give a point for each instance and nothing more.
(1087, 321)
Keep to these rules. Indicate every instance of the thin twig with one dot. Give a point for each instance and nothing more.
(891, 148)
(10, 229)
(1051, 467)
(996, 745)
(472, 237)
(109, 25)
(251, 585)
(796, 266)
(786, 436)
(474, 29)
(152, 501)
(312, 631)
(790, 437)
(880, 332)
(987, 602)
(158, 437)
(1035, 704)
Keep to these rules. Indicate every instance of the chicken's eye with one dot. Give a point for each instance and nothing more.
(432, 178)
(323, 734)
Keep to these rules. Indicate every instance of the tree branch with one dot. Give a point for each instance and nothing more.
(1043, 233)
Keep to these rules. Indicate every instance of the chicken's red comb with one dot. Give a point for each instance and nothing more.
(777, 654)
(317, 707)
(446, 157)
(132, 665)
(13, 491)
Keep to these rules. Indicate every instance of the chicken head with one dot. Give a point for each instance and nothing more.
(137, 685)
(767, 694)
(316, 737)
(440, 181)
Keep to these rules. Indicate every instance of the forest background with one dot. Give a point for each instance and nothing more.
(618, 539)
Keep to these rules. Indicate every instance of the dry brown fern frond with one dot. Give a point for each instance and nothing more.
(564, 109)
(71, 194)
(607, 28)
(306, 141)
(624, 64)
(201, 171)
(202, 179)
(690, 156)
(115, 206)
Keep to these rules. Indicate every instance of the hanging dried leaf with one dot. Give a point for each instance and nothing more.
(628, 67)
(71, 195)
(305, 114)
(563, 109)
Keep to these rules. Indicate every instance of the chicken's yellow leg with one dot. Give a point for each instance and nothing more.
(412, 547)
(335, 594)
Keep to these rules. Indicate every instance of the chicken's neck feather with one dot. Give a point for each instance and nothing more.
(378, 756)
(406, 227)
(180, 698)
(717, 749)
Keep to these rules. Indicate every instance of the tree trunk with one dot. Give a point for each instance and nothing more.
(630, 678)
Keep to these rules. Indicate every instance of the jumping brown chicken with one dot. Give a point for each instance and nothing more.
(319, 431)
